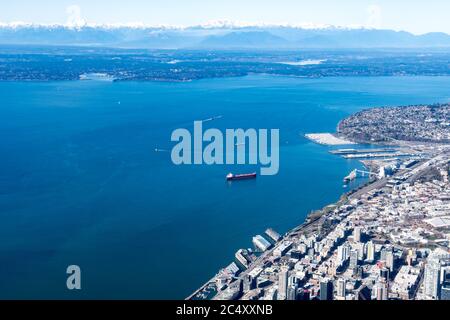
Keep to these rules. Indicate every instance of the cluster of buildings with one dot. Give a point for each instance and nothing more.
(389, 242)
(412, 123)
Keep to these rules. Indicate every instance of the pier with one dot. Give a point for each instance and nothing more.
(359, 151)
(378, 155)
(358, 173)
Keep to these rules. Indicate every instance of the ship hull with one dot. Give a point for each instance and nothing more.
(242, 177)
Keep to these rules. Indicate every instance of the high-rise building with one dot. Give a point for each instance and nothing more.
(360, 248)
(411, 257)
(292, 280)
(343, 253)
(317, 246)
(431, 278)
(310, 242)
(340, 290)
(357, 234)
(384, 274)
(249, 283)
(311, 253)
(445, 289)
(326, 289)
(359, 271)
(302, 248)
(445, 271)
(445, 292)
(380, 290)
(292, 292)
(390, 260)
(353, 258)
(370, 251)
(383, 254)
(283, 283)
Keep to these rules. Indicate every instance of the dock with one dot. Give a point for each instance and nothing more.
(352, 176)
(359, 151)
(377, 155)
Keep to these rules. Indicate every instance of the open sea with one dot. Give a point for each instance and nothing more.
(81, 183)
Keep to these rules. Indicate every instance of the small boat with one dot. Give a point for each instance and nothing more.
(231, 176)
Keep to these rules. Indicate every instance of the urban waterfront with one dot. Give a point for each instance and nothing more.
(83, 185)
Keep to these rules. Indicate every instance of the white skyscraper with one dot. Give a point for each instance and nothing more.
(343, 253)
(283, 284)
(357, 234)
(341, 283)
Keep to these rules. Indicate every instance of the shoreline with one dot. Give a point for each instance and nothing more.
(313, 222)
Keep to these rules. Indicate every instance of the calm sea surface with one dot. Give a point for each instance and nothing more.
(80, 182)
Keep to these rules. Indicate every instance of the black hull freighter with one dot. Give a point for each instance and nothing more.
(231, 177)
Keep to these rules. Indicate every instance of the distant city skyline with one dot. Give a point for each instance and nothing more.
(413, 16)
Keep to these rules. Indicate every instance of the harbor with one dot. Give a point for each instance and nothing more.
(379, 163)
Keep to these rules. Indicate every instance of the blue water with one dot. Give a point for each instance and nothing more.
(80, 182)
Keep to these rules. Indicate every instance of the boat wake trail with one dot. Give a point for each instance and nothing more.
(212, 118)
(161, 150)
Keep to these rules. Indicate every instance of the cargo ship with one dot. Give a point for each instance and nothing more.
(231, 176)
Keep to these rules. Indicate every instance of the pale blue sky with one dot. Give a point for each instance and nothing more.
(417, 16)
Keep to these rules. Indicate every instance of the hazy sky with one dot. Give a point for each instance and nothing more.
(417, 16)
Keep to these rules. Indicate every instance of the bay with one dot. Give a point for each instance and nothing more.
(81, 182)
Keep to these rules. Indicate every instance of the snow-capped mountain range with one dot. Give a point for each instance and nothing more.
(216, 35)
